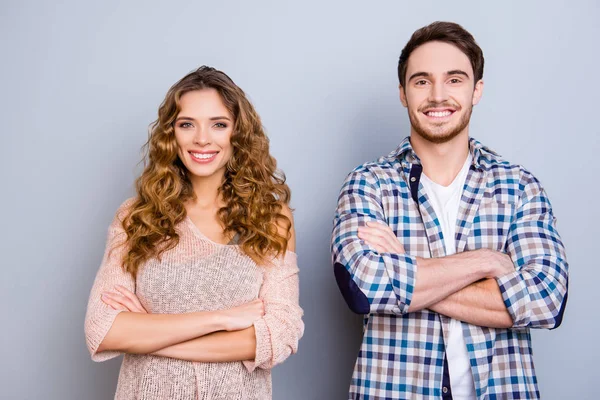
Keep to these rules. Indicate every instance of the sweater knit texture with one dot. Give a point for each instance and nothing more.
(198, 275)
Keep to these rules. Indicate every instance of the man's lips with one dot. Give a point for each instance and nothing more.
(439, 112)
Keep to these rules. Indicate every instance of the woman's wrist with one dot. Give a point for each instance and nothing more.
(212, 321)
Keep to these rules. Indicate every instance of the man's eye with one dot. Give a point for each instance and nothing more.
(421, 82)
(455, 80)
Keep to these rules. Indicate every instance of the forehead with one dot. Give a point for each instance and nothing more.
(204, 102)
(438, 58)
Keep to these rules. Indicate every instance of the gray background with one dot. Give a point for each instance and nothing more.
(81, 81)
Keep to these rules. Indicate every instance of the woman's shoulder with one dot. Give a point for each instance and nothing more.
(288, 212)
(116, 228)
(284, 230)
(125, 208)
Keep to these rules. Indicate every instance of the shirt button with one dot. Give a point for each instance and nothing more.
(445, 389)
(413, 179)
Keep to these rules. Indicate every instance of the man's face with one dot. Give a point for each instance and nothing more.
(439, 91)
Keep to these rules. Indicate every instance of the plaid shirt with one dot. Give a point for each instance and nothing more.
(503, 207)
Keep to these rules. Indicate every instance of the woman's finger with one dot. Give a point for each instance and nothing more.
(109, 303)
(122, 300)
(131, 296)
(112, 303)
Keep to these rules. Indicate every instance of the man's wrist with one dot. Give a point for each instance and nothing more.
(479, 262)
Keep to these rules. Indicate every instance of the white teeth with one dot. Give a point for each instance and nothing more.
(203, 156)
(439, 114)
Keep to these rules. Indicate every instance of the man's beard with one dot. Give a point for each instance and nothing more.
(430, 135)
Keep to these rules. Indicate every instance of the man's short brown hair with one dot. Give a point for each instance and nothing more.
(447, 32)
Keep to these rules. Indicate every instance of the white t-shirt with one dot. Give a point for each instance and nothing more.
(445, 201)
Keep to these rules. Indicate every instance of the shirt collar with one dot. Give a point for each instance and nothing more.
(483, 156)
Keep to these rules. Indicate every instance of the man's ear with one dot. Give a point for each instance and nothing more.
(402, 96)
(478, 92)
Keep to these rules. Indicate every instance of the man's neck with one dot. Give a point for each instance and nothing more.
(441, 161)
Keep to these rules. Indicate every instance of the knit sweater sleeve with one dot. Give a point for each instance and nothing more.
(280, 329)
(100, 317)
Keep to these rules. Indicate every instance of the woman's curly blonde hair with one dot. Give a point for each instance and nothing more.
(254, 190)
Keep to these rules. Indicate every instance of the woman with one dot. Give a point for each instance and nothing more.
(199, 283)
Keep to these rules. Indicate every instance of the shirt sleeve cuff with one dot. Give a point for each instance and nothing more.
(516, 297)
(98, 330)
(402, 265)
(264, 352)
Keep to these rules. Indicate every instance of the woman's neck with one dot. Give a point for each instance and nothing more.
(206, 189)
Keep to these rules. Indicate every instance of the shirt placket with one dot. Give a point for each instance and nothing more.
(435, 239)
(475, 337)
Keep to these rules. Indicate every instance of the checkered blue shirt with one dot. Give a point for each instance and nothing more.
(504, 208)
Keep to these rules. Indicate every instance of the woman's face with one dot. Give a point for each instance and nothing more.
(203, 131)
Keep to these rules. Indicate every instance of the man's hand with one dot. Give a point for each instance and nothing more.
(381, 237)
(498, 263)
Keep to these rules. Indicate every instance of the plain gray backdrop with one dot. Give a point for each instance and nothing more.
(80, 82)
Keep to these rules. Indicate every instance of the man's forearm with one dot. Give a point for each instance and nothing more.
(215, 347)
(438, 278)
(480, 304)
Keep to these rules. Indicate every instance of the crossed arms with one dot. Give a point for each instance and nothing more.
(526, 287)
(261, 333)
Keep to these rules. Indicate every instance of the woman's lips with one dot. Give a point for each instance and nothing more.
(203, 157)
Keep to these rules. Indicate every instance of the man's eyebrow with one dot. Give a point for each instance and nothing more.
(419, 74)
(457, 72)
(427, 74)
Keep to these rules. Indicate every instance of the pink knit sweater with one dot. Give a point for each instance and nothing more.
(198, 275)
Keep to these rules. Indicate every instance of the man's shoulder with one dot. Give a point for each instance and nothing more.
(383, 168)
(509, 179)
(500, 168)
(492, 161)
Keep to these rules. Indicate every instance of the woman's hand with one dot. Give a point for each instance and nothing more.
(242, 317)
(123, 300)
(233, 319)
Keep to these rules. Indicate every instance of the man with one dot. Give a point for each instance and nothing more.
(450, 252)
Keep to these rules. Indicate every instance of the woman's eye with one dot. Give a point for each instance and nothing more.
(185, 125)
(220, 125)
